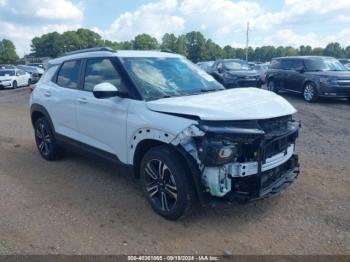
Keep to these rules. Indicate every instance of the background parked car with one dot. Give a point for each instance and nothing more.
(37, 65)
(235, 73)
(261, 69)
(13, 78)
(7, 67)
(35, 72)
(206, 66)
(313, 76)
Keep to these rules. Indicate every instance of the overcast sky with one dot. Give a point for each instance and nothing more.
(273, 22)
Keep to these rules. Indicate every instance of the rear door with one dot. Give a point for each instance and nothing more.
(276, 73)
(102, 122)
(294, 79)
(62, 95)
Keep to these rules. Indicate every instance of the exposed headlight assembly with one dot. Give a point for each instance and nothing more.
(215, 153)
(328, 80)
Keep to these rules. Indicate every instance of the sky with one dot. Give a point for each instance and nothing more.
(272, 22)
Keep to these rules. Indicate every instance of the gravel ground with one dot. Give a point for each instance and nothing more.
(82, 206)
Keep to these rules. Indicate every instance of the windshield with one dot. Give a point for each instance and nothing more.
(7, 72)
(321, 64)
(166, 77)
(236, 65)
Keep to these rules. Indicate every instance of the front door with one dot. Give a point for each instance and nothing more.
(102, 122)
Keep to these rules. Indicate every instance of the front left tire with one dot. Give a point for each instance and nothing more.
(166, 182)
(14, 84)
(45, 140)
(310, 92)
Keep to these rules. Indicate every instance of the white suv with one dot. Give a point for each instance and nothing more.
(172, 124)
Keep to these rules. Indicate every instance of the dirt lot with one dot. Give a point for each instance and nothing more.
(82, 206)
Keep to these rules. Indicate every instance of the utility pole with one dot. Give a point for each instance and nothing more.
(247, 43)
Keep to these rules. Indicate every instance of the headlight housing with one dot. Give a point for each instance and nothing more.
(215, 153)
(328, 80)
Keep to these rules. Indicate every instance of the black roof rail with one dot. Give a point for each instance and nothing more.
(166, 50)
(86, 50)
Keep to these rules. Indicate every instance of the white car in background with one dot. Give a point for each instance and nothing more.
(13, 78)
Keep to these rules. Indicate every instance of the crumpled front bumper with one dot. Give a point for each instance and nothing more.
(265, 184)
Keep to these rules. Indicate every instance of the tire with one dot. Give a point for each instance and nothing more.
(29, 82)
(310, 92)
(14, 84)
(45, 141)
(165, 182)
(271, 86)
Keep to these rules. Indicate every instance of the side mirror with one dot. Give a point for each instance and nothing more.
(105, 90)
(300, 69)
(220, 70)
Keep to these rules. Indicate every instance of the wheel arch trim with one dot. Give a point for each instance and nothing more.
(37, 108)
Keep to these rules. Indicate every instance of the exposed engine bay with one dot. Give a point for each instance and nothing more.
(244, 160)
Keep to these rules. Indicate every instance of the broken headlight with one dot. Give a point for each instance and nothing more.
(215, 153)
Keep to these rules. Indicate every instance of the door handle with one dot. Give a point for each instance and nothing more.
(82, 100)
(47, 93)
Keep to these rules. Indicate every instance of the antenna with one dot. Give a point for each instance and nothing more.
(247, 43)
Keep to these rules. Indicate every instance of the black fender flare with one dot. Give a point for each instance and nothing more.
(204, 197)
(36, 108)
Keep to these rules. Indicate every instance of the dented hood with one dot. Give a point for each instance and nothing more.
(230, 104)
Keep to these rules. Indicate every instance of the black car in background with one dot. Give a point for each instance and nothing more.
(206, 66)
(235, 73)
(312, 76)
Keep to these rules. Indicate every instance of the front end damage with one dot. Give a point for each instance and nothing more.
(242, 160)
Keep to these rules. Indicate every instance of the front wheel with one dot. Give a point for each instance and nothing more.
(29, 82)
(271, 86)
(310, 93)
(166, 183)
(14, 84)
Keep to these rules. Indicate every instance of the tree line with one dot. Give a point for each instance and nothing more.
(193, 45)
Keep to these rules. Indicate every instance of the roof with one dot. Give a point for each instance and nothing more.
(302, 57)
(119, 53)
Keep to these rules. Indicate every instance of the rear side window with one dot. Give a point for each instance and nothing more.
(275, 64)
(68, 76)
(48, 75)
(296, 64)
(101, 70)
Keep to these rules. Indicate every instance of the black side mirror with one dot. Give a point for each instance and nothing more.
(300, 69)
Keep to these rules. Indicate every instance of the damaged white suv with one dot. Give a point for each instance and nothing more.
(170, 123)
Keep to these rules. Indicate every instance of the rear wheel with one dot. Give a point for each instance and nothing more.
(310, 92)
(166, 183)
(45, 140)
(14, 84)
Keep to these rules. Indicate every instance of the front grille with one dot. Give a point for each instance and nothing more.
(247, 83)
(274, 124)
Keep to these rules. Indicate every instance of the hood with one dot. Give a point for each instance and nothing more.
(336, 74)
(230, 104)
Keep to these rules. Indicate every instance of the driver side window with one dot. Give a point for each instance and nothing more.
(101, 70)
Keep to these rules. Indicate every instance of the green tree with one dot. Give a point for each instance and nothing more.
(50, 44)
(334, 50)
(181, 47)
(229, 52)
(7, 52)
(317, 51)
(89, 38)
(169, 41)
(196, 46)
(347, 52)
(213, 50)
(145, 42)
(291, 51)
